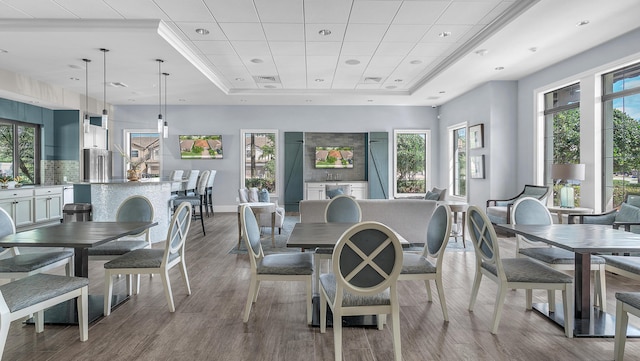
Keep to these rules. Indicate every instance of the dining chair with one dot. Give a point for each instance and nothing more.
(512, 273)
(209, 191)
(340, 209)
(190, 185)
(626, 303)
(34, 294)
(176, 176)
(531, 211)
(133, 209)
(197, 199)
(15, 265)
(153, 260)
(366, 263)
(419, 267)
(273, 267)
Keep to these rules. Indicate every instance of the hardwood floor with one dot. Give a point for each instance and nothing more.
(208, 324)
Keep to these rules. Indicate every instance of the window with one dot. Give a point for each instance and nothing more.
(458, 160)
(562, 133)
(260, 148)
(410, 166)
(143, 148)
(19, 155)
(621, 133)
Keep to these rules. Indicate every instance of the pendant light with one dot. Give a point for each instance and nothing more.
(160, 121)
(165, 128)
(86, 122)
(105, 114)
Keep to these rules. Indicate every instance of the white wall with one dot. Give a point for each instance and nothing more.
(228, 120)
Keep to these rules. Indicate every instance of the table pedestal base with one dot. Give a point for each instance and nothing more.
(347, 321)
(66, 313)
(601, 323)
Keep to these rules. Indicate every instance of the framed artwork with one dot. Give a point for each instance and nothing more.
(200, 146)
(476, 136)
(477, 166)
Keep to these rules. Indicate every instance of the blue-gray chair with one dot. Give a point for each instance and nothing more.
(627, 215)
(198, 198)
(133, 209)
(419, 267)
(366, 263)
(512, 273)
(154, 261)
(626, 302)
(15, 265)
(273, 267)
(531, 211)
(499, 210)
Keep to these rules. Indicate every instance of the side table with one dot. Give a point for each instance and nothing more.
(258, 208)
(458, 207)
(563, 210)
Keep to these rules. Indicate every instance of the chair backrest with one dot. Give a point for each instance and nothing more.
(633, 199)
(342, 209)
(178, 230)
(176, 175)
(529, 210)
(485, 240)
(438, 232)
(201, 188)
(538, 192)
(251, 235)
(212, 177)
(366, 260)
(136, 209)
(192, 179)
(6, 224)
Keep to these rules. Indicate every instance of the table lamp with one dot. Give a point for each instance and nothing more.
(567, 172)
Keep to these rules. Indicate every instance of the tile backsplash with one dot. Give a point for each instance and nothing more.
(59, 171)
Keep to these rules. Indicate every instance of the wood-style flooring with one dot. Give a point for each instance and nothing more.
(207, 325)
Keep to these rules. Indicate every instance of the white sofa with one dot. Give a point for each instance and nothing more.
(409, 217)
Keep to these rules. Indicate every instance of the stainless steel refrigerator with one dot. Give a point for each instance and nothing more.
(97, 165)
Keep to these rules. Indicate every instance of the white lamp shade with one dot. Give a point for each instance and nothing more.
(568, 171)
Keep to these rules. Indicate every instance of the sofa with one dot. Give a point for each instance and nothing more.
(409, 217)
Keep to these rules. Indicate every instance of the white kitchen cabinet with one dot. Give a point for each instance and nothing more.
(47, 204)
(316, 190)
(19, 204)
(95, 138)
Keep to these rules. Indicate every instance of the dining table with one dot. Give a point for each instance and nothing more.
(326, 235)
(583, 240)
(80, 236)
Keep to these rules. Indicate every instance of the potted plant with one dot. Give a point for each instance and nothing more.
(18, 181)
(4, 181)
(133, 173)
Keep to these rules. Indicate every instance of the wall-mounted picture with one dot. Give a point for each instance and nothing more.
(334, 157)
(477, 166)
(476, 136)
(200, 146)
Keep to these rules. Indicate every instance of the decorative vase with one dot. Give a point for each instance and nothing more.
(18, 185)
(132, 175)
(4, 186)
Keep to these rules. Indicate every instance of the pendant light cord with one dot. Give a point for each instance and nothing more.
(86, 86)
(159, 88)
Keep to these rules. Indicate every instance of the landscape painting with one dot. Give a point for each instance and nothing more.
(334, 157)
(201, 146)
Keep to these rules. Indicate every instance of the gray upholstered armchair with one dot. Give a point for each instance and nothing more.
(627, 215)
(499, 210)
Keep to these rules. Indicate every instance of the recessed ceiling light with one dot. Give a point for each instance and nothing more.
(243, 100)
(74, 78)
(319, 80)
(256, 61)
(202, 31)
(415, 62)
(582, 23)
(398, 80)
(499, 68)
(324, 32)
(441, 92)
(74, 66)
(391, 87)
(131, 100)
(239, 79)
(308, 100)
(533, 49)
(370, 100)
(182, 100)
(4, 51)
(353, 62)
(444, 34)
(482, 52)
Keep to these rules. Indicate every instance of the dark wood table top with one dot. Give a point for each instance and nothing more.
(579, 238)
(74, 234)
(312, 235)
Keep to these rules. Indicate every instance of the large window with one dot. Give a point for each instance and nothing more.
(143, 149)
(562, 134)
(260, 148)
(410, 155)
(19, 156)
(458, 159)
(621, 128)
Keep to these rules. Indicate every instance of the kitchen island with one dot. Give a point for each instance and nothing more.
(106, 197)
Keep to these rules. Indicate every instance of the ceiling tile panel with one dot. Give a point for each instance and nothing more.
(9, 12)
(141, 9)
(284, 32)
(361, 86)
(280, 11)
(89, 9)
(420, 12)
(238, 11)
(429, 49)
(258, 49)
(394, 48)
(40, 9)
(268, 68)
(186, 10)
(215, 47)
(224, 60)
(288, 48)
(365, 32)
(359, 48)
(457, 32)
(315, 83)
(323, 48)
(337, 32)
(189, 30)
(385, 61)
(466, 13)
(327, 11)
(373, 12)
(407, 33)
(243, 31)
(321, 66)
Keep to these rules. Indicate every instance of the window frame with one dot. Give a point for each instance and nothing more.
(37, 133)
(243, 156)
(126, 136)
(452, 161)
(427, 160)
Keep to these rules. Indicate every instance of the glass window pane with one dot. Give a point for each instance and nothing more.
(460, 162)
(622, 79)
(26, 154)
(260, 160)
(411, 162)
(6, 150)
(143, 150)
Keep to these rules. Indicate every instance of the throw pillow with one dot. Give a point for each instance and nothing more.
(243, 195)
(432, 196)
(334, 192)
(253, 195)
(263, 196)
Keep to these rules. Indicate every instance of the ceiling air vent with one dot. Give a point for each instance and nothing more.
(266, 79)
(117, 84)
(372, 80)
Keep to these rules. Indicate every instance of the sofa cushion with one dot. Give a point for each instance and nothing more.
(263, 196)
(432, 196)
(253, 195)
(332, 193)
(336, 190)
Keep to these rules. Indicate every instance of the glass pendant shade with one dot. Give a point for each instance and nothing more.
(165, 130)
(160, 123)
(105, 114)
